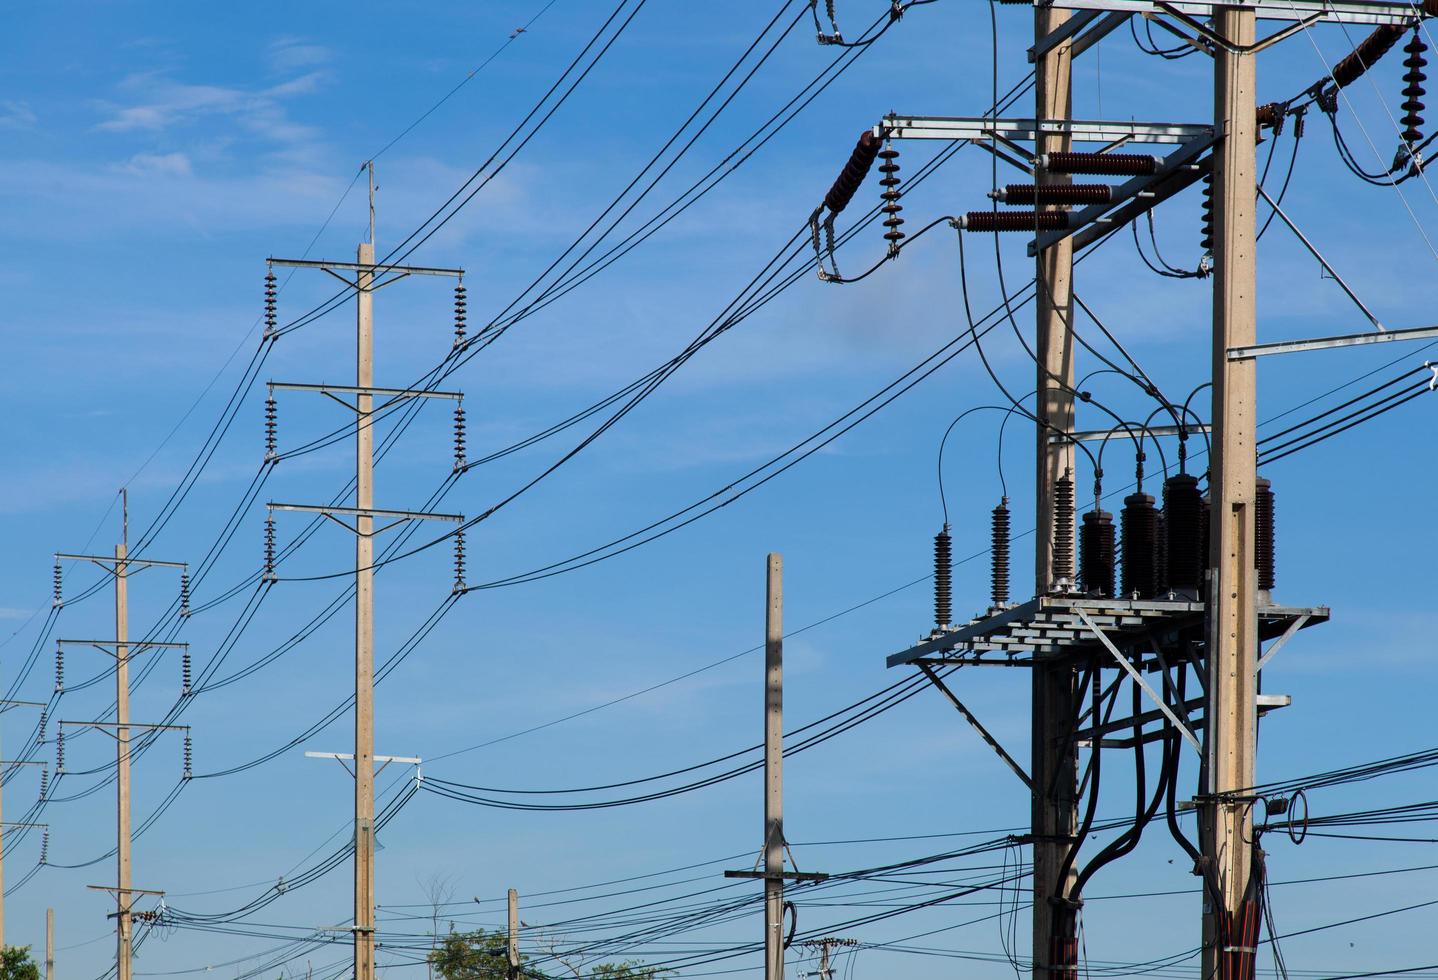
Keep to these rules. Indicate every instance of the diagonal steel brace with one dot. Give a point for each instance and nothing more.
(983, 732)
(1139, 680)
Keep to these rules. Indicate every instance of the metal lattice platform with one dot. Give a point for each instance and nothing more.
(1055, 627)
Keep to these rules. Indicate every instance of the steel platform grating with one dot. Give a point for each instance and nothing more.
(1051, 627)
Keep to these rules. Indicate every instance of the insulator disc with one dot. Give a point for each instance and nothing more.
(1056, 194)
(943, 578)
(1139, 545)
(1263, 534)
(1108, 164)
(1182, 510)
(1016, 221)
(1096, 553)
(999, 552)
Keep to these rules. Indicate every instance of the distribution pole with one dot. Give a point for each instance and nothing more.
(1054, 816)
(123, 896)
(119, 567)
(368, 277)
(49, 944)
(1231, 712)
(512, 943)
(774, 770)
(364, 619)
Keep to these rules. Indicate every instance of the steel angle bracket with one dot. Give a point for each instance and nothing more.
(989, 740)
(1337, 11)
(897, 126)
(1184, 156)
(1082, 31)
(1138, 679)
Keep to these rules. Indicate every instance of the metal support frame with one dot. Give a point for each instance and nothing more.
(403, 515)
(1279, 643)
(395, 393)
(1337, 11)
(1026, 130)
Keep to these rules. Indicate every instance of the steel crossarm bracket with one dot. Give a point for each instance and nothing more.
(395, 394)
(1079, 130)
(1138, 679)
(1313, 250)
(403, 515)
(108, 560)
(1325, 343)
(1079, 42)
(1340, 11)
(1277, 644)
(408, 270)
(1175, 161)
(993, 743)
(1097, 435)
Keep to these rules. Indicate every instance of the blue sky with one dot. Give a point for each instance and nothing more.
(153, 156)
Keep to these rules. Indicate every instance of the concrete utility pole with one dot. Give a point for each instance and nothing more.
(774, 769)
(1054, 759)
(364, 613)
(772, 855)
(49, 944)
(512, 944)
(1232, 715)
(366, 282)
(120, 647)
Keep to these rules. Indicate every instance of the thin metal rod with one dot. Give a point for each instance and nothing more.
(992, 742)
(1097, 435)
(1313, 250)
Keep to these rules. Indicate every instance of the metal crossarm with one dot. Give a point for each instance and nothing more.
(359, 390)
(1026, 130)
(408, 270)
(1326, 343)
(403, 515)
(131, 563)
(1339, 11)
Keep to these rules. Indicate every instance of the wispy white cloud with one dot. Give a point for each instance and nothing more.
(292, 53)
(166, 164)
(15, 114)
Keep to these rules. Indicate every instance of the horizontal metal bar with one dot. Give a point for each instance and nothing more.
(1182, 157)
(779, 875)
(367, 512)
(1338, 11)
(1096, 435)
(1324, 343)
(23, 762)
(412, 760)
(1080, 130)
(125, 643)
(61, 556)
(410, 270)
(128, 891)
(128, 724)
(17, 823)
(5, 703)
(364, 390)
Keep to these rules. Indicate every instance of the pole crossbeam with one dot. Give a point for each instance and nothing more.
(126, 561)
(367, 269)
(1333, 11)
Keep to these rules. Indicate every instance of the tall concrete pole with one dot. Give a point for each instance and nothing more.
(49, 944)
(1054, 817)
(364, 625)
(774, 770)
(1232, 718)
(2, 871)
(512, 945)
(124, 899)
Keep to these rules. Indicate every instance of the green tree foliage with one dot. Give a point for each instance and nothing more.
(16, 964)
(480, 955)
